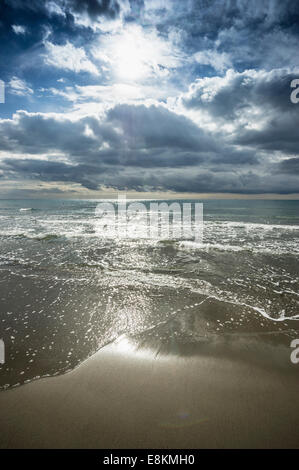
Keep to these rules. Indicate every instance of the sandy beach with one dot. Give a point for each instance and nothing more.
(124, 397)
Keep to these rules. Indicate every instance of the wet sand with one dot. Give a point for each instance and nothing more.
(125, 398)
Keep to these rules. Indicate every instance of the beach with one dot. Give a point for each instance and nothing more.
(124, 397)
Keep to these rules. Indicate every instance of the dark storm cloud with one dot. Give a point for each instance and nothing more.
(21, 53)
(256, 103)
(151, 158)
(233, 94)
(210, 16)
(289, 166)
(153, 127)
(179, 180)
(50, 171)
(132, 135)
(92, 8)
(230, 156)
(39, 134)
(255, 33)
(279, 134)
(121, 150)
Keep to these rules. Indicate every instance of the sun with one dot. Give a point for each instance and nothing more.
(131, 61)
(135, 55)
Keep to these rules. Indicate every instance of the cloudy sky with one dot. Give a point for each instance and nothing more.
(188, 96)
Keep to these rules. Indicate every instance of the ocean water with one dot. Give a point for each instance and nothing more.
(66, 289)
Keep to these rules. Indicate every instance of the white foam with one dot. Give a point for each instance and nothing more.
(254, 226)
(192, 245)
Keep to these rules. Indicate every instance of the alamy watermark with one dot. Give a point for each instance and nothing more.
(295, 352)
(2, 91)
(173, 220)
(2, 351)
(295, 93)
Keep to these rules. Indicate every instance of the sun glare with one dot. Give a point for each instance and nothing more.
(134, 55)
(129, 59)
(124, 345)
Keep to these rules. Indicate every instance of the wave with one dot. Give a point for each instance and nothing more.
(254, 248)
(252, 225)
(44, 237)
(48, 237)
(28, 209)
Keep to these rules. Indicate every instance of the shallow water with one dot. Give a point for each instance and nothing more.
(66, 289)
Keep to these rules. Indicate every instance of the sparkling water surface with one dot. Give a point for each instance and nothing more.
(66, 289)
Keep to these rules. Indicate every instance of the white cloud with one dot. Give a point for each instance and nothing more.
(240, 102)
(53, 8)
(19, 87)
(68, 57)
(18, 29)
(112, 94)
(220, 61)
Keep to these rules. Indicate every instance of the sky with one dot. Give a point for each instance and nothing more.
(149, 96)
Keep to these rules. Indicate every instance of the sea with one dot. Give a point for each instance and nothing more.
(67, 289)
